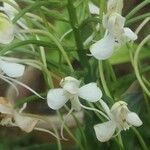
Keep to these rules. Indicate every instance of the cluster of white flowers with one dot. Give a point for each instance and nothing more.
(11, 69)
(116, 34)
(120, 118)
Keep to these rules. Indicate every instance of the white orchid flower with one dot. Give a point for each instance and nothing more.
(12, 69)
(93, 8)
(116, 33)
(56, 98)
(6, 29)
(13, 117)
(120, 118)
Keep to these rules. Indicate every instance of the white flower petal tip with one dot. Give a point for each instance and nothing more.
(130, 34)
(133, 119)
(56, 98)
(93, 8)
(105, 131)
(12, 69)
(6, 29)
(103, 48)
(90, 92)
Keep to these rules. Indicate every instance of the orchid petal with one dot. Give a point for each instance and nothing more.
(133, 119)
(130, 34)
(12, 69)
(103, 48)
(6, 29)
(5, 109)
(90, 92)
(93, 8)
(105, 131)
(27, 124)
(56, 98)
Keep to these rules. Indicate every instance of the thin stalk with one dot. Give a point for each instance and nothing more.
(141, 140)
(136, 69)
(129, 46)
(69, 132)
(56, 41)
(146, 102)
(112, 73)
(137, 8)
(47, 75)
(138, 18)
(120, 142)
(102, 5)
(77, 34)
(145, 21)
(79, 127)
(102, 77)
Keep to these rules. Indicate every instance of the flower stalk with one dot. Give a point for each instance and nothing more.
(77, 35)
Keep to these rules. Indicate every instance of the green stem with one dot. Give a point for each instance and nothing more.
(145, 21)
(102, 77)
(112, 73)
(77, 34)
(137, 8)
(138, 18)
(79, 125)
(135, 61)
(120, 142)
(69, 132)
(147, 102)
(56, 41)
(141, 140)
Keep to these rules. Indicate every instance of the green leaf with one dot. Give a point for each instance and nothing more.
(121, 55)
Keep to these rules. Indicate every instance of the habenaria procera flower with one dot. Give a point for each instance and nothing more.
(120, 118)
(116, 33)
(56, 98)
(6, 29)
(15, 118)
